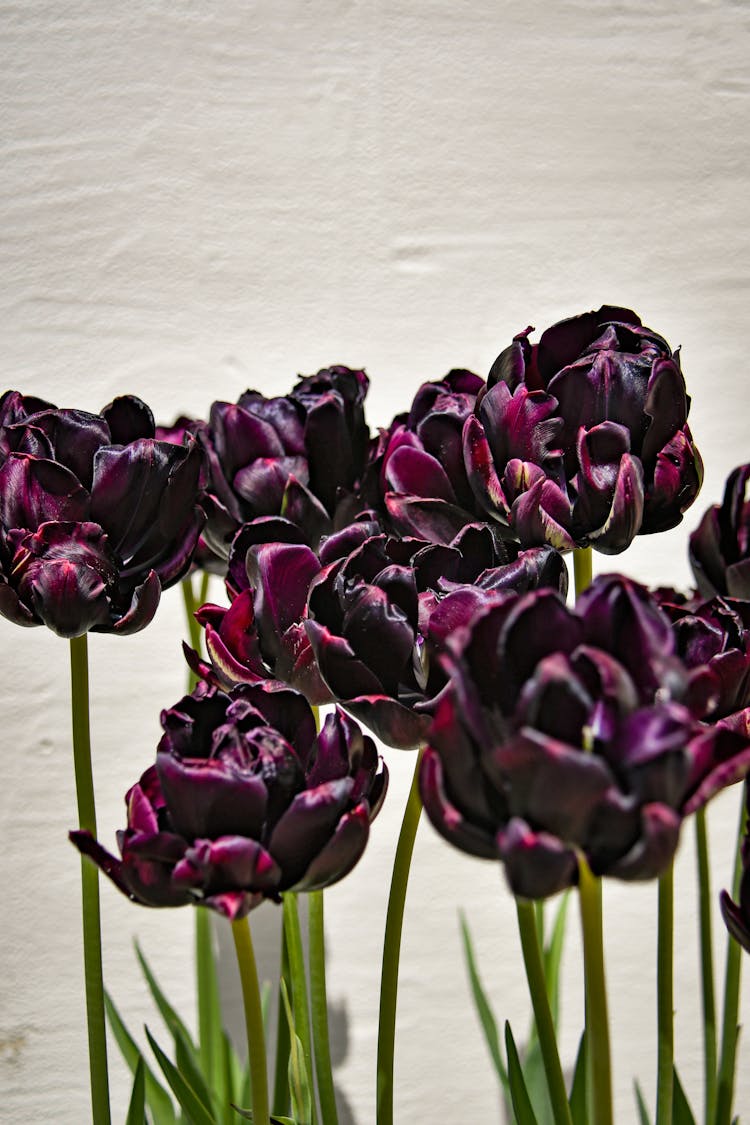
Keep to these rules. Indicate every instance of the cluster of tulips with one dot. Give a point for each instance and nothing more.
(416, 580)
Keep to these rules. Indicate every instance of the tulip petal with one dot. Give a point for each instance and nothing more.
(536, 864)
(445, 817)
(340, 854)
(306, 826)
(208, 798)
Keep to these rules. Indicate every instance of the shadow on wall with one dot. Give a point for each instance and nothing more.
(266, 926)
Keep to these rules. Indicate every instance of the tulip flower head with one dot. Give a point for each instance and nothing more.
(720, 547)
(377, 619)
(96, 515)
(293, 460)
(417, 475)
(245, 801)
(568, 732)
(582, 439)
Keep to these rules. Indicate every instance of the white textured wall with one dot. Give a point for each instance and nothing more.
(200, 197)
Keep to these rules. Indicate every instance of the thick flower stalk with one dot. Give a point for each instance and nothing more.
(96, 515)
(292, 461)
(245, 801)
(582, 439)
(720, 547)
(568, 734)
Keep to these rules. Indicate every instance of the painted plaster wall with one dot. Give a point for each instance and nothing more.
(196, 198)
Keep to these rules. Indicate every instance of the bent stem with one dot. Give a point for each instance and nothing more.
(392, 950)
(729, 1029)
(707, 965)
(598, 1070)
(532, 959)
(256, 1044)
(92, 934)
(665, 999)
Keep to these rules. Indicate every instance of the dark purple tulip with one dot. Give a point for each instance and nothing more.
(297, 458)
(261, 635)
(568, 731)
(417, 473)
(720, 547)
(96, 515)
(182, 432)
(377, 619)
(245, 801)
(582, 439)
(713, 640)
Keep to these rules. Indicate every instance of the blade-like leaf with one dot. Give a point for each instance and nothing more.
(234, 1077)
(577, 1098)
(682, 1114)
(188, 1064)
(137, 1107)
(281, 1101)
(535, 1078)
(299, 1083)
(518, 1092)
(247, 1114)
(640, 1101)
(553, 957)
(484, 1011)
(299, 999)
(157, 1098)
(210, 1026)
(197, 1112)
(168, 1013)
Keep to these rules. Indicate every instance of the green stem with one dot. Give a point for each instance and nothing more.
(281, 1101)
(532, 958)
(300, 1006)
(256, 1044)
(598, 1070)
(207, 994)
(582, 569)
(319, 1008)
(707, 964)
(729, 1029)
(92, 934)
(665, 999)
(394, 920)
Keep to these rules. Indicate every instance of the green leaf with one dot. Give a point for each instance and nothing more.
(188, 1064)
(682, 1114)
(168, 1013)
(274, 1119)
(484, 1011)
(641, 1103)
(518, 1092)
(210, 1025)
(281, 1102)
(578, 1086)
(535, 1078)
(553, 956)
(137, 1107)
(299, 1083)
(157, 1098)
(197, 1112)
